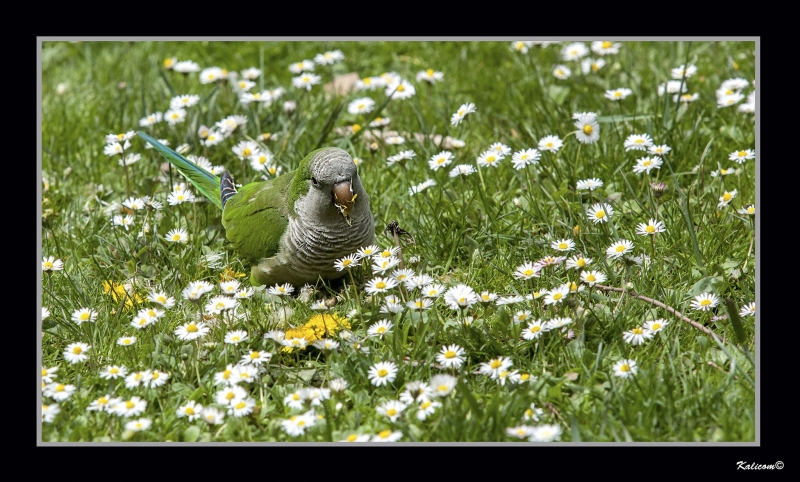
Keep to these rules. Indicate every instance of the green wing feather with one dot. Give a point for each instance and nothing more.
(257, 216)
(204, 181)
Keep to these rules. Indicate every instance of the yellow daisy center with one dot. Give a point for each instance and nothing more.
(191, 328)
(581, 262)
(113, 370)
(557, 296)
(230, 395)
(189, 411)
(496, 364)
(606, 45)
(741, 153)
(382, 329)
(549, 144)
(450, 354)
(646, 163)
(563, 246)
(129, 404)
(528, 272)
(619, 248)
(587, 129)
(240, 405)
(625, 368)
(352, 437)
(751, 210)
(380, 285)
(401, 88)
(617, 94)
(84, 316)
(60, 388)
(462, 300)
(226, 374)
(48, 265)
(655, 326)
(600, 214)
(650, 228)
(383, 372)
(637, 331)
(727, 196)
(391, 412)
(77, 350)
(590, 277)
(246, 152)
(535, 328)
(705, 302)
(102, 401)
(138, 376)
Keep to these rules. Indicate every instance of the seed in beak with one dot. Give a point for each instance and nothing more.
(344, 197)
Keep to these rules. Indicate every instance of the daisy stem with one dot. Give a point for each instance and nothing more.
(127, 181)
(197, 363)
(653, 246)
(463, 324)
(194, 220)
(750, 248)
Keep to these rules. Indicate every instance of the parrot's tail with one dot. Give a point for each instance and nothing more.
(204, 181)
(226, 188)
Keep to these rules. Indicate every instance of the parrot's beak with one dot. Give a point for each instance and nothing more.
(343, 197)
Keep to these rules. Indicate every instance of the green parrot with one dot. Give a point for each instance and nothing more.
(292, 228)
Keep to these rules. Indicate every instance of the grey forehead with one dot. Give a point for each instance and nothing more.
(332, 163)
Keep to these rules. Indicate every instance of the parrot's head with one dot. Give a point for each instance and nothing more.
(330, 178)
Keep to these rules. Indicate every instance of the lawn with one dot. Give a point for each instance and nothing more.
(565, 242)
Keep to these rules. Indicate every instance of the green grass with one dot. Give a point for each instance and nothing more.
(475, 230)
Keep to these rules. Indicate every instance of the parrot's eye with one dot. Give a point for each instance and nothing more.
(314, 182)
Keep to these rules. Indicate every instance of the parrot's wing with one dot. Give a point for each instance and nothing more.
(257, 216)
